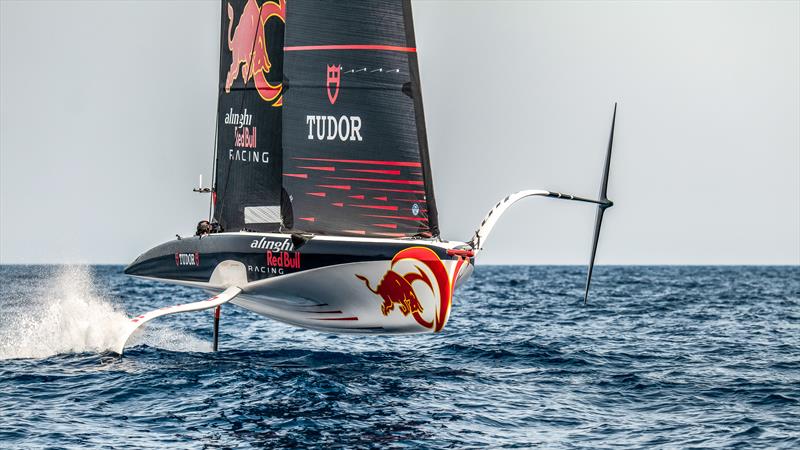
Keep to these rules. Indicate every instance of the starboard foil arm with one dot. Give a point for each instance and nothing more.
(602, 203)
(135, 322)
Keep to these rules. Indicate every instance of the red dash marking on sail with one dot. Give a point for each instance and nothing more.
(407, 191)
(355, 231)
(391, 234)
(334, 186)
(389, 48)
(419, 174)
(326, 169)
(386, 225)
(383, 199)
(411, 200)
(366, 161)
(317, 194)
(386, 207)
(340, 205)
(380, 171)
(357, 197)
(336, 318)
(418, 219)
(296, 175)
(378, 180)
(308, 219)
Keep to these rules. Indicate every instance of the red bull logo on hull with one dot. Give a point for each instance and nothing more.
(398, 289)
(248, 47)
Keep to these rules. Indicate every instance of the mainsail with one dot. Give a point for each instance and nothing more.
(338, 115)
(355, 149)
(247, 185)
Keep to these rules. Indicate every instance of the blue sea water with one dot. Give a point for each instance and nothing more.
(661, 357)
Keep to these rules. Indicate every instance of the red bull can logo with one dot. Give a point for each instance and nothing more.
(248, 47)
(396, 289)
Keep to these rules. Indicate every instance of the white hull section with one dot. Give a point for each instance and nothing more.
(335, 299)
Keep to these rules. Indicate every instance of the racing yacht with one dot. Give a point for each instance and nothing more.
(322, 199)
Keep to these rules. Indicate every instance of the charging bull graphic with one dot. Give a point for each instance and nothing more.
(248, 47)
(395, 288)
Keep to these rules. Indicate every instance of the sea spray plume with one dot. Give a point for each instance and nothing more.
(69, 315)
(66, 315)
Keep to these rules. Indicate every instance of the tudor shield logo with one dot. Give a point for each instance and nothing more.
(334, 76)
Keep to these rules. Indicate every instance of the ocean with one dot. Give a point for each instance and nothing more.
(661, 357)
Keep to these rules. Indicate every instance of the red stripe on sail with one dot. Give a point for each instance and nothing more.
(308, 219)
(391, 234)
(389, 48)
(325, 168)
(419, 219)
(366, 161)
(410, 200)
(407, 191)
(383, 199)
(386, 207)
(334, 186)
(355, 231)
(378, 180)
(380, 171)
(296, 175)
(386, 225)
(317, 194)
(340, 205)
(357, 197)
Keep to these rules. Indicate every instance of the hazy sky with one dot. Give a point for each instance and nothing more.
(108, 109)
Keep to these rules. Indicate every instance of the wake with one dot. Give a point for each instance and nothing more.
(69, 315)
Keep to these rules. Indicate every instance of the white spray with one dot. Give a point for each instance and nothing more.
(69, 316)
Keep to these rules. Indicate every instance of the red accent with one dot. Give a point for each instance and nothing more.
(366, 161)
(217, 311)
(386, 207)
(340, 205)
(334, 186)
(334, 75)
(390, 48)
(386, 225)
(317, 194)
(326, 168)
(296, 175)
(420, 219)
(337, 318)
(383, 199)
(379, 180)
(380, 171)
(308, 219)
(461, 253)
(355, 231)
(407, 191)
(214, 197)
(357, 197)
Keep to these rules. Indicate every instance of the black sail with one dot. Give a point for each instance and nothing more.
(355, 155)
(247, 184)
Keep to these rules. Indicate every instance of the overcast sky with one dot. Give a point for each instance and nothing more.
(108, 109)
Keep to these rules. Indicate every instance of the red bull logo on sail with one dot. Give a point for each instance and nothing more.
(248, 47)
